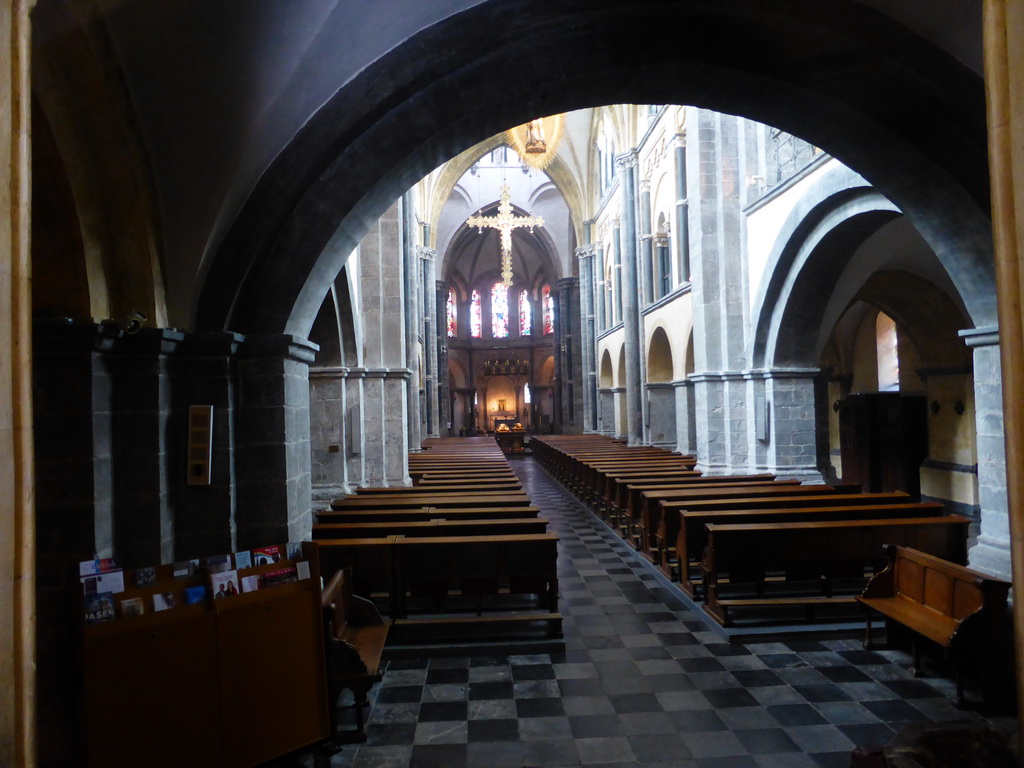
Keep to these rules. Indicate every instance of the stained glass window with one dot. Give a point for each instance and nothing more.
(525, 318)
(452, 314)
(499, 311)
(475, 317)
(549, 310)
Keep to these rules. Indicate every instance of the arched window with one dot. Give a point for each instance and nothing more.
(499, 310)
(476, 322)
(887, 350)
(526, 394)
(452, 314)
(549, 310)
(525, 314)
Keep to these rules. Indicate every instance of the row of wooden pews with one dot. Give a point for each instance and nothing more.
(750, 548)
(461, 554)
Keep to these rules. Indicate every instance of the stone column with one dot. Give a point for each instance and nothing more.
(328, 403)
(662, 412)
(272, 455)
(1003, 25)
(414, 344)
(648, 290)
(444, 402)
(785, 421)
(682, 239)
(627, 165)
(143, 519)
(355, 465)
(588, 343)
(17, 532)
(204, 515)
(386, 461)
(568, 319)
(991, 552)
(430, 339)
(686, 418)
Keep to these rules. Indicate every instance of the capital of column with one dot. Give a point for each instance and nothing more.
(280, 345)
(985, 336)
(586, 251)
(441, 285)
(644, 186)
(627, 160)
(568, 282)
(680, 139)
(426, 253)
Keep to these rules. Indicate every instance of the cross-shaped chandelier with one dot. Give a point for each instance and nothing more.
(505, 222)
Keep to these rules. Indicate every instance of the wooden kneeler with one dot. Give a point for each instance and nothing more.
(355, 637)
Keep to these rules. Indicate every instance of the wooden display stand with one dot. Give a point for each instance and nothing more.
(222, 683)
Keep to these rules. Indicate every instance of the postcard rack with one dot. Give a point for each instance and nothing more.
(222, 682)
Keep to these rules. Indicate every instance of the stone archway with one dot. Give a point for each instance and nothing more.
(912, 123)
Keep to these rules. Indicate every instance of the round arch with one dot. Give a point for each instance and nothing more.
(909, 118)
(606, 380)
(660, 367)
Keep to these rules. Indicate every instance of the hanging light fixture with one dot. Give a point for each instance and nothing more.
(537, 141)
(505, 222)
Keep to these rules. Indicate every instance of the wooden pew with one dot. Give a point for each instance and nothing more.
(355, 635)
(428, 499)
(962, 611)
(426, 513)
(691, 538)
(813, 557)
(501, 484)
(433, 527)
(639, 521)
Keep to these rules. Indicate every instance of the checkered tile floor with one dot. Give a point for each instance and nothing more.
(642, 682)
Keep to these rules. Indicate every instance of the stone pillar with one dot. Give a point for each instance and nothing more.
(383, 401)
(785, 420)
(17, 535)
(686, 418)
(385, 445)
(570, 373)
(204, 515)
(144, 521)
(272, 455)
(682, 239)
(328, 403)
(606, 415)
(74, 371)
(991, 552)
(414, 344)
(444, 396)
(588, 343)
(648, 290)
(430, 339)
(720, 310)
(355, 464)
(627, 165)
(1003, 25)
(661, 409)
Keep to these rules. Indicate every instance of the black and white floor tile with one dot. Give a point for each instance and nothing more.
(642, 682)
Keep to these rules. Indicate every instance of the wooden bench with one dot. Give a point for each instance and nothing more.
(355, 635)
(960, 610)
(426, 513)
(806, 560)
(428, 499)
(681, 561)
(432, 527)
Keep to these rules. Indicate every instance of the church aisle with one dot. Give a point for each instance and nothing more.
(642, 681)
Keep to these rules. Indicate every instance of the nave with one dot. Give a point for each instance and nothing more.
(642, 681)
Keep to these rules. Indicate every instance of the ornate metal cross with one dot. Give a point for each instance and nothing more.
(505, 222)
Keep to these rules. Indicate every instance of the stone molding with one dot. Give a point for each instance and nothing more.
(660, 385)
(387, 373)
(985, 336)
(283, 345)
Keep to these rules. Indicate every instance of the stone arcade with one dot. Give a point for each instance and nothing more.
(278, 194)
